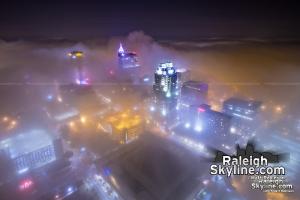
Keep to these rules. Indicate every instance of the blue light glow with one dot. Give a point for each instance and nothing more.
(82, 149)
(23, 170)
(187, 125)
(82, 82)
(146, 79)
(164, 112)
(49, 97)
(198, 127)
(70, 190)
(152, 108)
(242, 116)
(107, 171)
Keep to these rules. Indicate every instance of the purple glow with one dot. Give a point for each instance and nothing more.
(201, 109)
(121, 50)
(82, 82)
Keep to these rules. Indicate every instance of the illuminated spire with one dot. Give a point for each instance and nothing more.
(121, 50)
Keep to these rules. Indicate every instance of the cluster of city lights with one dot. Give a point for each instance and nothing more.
(8, 123)
(124, 120)
(106, 187)
(198, 126)
(82, 82)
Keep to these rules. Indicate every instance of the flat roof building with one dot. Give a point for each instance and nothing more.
(194, 93)
(30, 150)
(240, 108)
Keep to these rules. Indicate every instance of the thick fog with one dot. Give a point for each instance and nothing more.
(254, 68)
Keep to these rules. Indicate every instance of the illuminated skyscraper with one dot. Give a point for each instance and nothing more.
(129, 68)
(77, 59)
(165, 81)
(127, 59)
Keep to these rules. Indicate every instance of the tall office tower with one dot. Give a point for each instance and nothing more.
(165, 82)
(129, 68)
(77, 60)
(194, 93)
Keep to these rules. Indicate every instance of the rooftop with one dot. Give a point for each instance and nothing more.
(26, 142)
(249, 104)
(124, 120)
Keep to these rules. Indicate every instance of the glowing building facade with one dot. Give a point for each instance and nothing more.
(165, 82)
(129, 68)
(30, 150)
(125, 126)
(127, 59)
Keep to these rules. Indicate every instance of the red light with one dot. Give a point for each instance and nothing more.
(201, 109)
(111, 72)
(26, 184)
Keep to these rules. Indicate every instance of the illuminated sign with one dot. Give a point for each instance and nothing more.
(26, 184)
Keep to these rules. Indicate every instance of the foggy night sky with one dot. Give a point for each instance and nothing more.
(226, 42)
(162, 20)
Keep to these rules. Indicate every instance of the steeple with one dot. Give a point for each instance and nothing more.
(121, 50)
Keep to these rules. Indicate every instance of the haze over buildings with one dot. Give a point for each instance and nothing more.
(127, 101)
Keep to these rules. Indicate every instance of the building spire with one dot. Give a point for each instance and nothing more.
(121, 50)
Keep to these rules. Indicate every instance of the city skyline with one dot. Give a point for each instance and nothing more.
(134, 100)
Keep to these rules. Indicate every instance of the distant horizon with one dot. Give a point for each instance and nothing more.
(167, 39)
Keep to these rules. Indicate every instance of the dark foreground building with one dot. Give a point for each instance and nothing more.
(153, 168)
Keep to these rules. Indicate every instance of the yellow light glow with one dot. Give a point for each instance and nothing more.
(276, 196)
(278, 109)
(78, 54)
(71, 124)
(5, 119)
(75, 54)
(13, 123)
(124, 120)
(83, 119)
